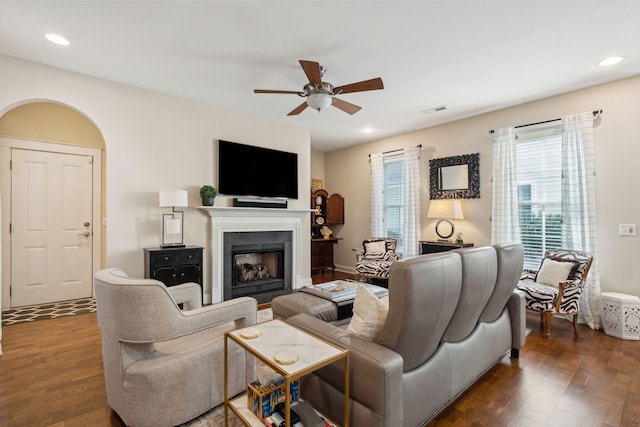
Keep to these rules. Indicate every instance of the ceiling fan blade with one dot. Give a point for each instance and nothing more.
(292, 92)
(312, 70)
(299, 109)
(345, 106)
(365, 85)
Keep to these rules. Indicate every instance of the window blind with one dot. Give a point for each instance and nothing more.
(393, 200)
(539, 183)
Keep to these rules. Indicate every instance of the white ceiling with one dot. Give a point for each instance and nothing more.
(472, 56)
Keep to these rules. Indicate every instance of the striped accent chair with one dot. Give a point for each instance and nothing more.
(555, 288)
(376, 258)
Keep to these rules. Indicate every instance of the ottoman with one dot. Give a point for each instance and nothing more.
(289, 305)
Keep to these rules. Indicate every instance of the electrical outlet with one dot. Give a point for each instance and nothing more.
(627, 229)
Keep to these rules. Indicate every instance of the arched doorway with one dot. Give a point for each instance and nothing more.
(52, 203)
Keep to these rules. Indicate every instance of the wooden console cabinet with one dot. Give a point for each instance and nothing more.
(433, 247)
(173, 266)
(322, 253)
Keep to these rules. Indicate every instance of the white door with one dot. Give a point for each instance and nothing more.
(51, 232)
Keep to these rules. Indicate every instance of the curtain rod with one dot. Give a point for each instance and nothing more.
(595, 114)
(399, 149)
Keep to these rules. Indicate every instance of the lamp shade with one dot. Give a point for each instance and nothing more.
(445, 209)
(173, 198)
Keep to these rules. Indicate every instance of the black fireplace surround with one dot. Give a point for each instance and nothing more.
(274, 246)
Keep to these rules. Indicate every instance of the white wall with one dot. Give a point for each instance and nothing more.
(154, 142)
(617, 150)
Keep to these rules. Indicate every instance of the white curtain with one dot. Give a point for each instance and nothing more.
(377, 195)
(579, 205)
(0, 278)
(505, 226)
(411, 198)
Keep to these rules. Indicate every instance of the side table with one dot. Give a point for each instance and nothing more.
(274, 337)
(427, 247)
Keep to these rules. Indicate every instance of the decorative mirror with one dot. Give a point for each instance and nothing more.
(456, 177)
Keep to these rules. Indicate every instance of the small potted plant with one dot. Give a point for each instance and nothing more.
(208, 193)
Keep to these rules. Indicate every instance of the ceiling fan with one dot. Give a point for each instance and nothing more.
(321, 94)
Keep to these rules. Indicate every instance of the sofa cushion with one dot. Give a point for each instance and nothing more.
(369, 314)
(553, 271)
(510, 259)
(479, 272)
(425, 291)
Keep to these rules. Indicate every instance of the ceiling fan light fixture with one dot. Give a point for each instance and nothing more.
(319, 101)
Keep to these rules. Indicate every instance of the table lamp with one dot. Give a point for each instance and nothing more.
(173, 223)
(445, 210)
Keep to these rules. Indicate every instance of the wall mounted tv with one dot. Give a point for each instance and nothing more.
(246, 170)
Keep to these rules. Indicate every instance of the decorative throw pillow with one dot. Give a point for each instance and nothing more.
(375, 246)
(552, 272)
(369, 315)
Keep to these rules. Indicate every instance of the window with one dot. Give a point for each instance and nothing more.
(393, 200)
(538, 179)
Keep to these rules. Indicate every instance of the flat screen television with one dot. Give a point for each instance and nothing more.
(246, 170)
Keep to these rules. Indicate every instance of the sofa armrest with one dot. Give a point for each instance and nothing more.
(376, 371)
(189, 294)
(517, 308)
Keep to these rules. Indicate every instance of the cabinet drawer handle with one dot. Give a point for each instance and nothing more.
(166, 258)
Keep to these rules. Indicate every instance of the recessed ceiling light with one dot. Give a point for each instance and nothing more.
(57, 39)
(367, 130)
(612, 60)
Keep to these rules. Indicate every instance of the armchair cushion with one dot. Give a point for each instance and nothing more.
(552, 271)
(374, 268)
(378, 256)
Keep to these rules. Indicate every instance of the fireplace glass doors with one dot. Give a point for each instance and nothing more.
(256, 263)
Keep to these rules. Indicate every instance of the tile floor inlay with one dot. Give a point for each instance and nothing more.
(48, 311)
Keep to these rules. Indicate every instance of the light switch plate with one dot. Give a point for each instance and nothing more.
(627, 229)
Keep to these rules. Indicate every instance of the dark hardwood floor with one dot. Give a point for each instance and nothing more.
(51, 375)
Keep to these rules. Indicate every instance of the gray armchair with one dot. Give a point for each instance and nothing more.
(164, 366)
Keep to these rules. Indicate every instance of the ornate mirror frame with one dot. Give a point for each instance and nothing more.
(473, 189)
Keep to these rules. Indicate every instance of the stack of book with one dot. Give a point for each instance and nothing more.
(277, 420)
(336, 291)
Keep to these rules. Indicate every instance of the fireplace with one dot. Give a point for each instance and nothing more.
(232, 220)
(256, 263)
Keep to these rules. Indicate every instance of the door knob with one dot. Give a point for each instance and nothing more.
(85, 234)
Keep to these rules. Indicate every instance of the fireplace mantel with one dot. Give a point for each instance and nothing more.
(233, 219)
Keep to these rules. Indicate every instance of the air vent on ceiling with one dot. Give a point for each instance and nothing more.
(435, 109)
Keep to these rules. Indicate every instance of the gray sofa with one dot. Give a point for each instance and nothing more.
(452, 316)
